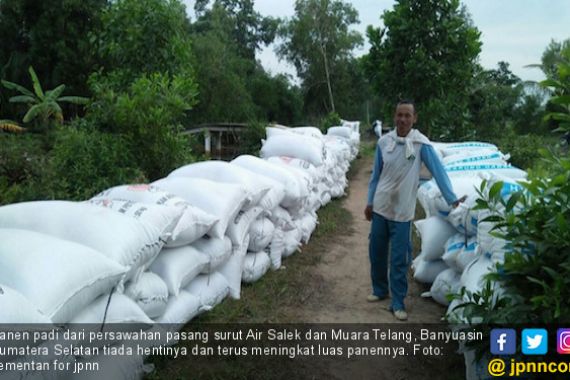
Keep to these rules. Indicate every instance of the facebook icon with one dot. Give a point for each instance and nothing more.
(503, 341)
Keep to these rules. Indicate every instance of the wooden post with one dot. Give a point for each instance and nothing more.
(207, 141)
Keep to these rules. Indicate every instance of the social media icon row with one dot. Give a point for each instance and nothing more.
(533, 341)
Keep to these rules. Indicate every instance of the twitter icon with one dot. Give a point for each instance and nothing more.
(534, 341)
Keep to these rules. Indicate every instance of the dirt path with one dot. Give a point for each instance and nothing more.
(344, 273)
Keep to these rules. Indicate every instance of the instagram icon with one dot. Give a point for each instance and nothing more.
(563, 341)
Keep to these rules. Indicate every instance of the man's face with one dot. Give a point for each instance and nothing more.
(404, 118)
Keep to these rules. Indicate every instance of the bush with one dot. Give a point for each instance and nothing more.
(250, 139)
(524, 149)
(331, 120)
(25, 169)
(86, 162)
(148, 116)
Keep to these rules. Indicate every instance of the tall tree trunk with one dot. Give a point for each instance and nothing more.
(324, 53)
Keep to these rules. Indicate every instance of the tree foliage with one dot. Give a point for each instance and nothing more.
(493, 100)
(249, 30)
(427, 51)
(52, 35)
(318, 42)
(145, 37)
(148, 115)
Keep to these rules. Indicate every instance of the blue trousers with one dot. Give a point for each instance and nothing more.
(385, 233)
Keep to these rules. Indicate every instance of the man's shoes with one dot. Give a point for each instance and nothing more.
(401, 315)
(374, 298)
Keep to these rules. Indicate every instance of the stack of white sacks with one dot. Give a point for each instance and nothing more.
(457, 248)
(167, 251)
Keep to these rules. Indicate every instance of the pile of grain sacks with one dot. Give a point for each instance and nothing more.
(167, 251)
(457, 248)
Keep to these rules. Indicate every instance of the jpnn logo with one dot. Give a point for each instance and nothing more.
(534, 341)
(504, 341)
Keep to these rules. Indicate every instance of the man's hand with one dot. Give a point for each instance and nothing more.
(368, 213)
(460, 200)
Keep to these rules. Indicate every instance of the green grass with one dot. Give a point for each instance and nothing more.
(368, 147)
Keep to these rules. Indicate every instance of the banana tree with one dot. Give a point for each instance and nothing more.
(43, 105)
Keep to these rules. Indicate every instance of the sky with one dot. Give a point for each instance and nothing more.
(515, 31)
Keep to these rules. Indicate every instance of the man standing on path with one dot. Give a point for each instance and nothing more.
(392, 194)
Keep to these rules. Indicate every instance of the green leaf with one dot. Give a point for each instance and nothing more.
(513, 200)
(557, 116)
(561, 100)
(36, 83)
(550, 83)
(493, 219)
(23, 99)
(562, 222)
(33, 112)
(15, 86)
(55, 93)
(496, 190)
(74, 99)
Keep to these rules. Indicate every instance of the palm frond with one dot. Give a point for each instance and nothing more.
(34, 111)
(23, 99)
(74, 99)
(17, 87)
(36, 83)
(55, 93)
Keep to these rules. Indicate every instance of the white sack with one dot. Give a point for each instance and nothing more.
(292, 145)
(473, 276)
(456, 148)
(307, 224)
(150, 293)
(129, 242)
(292, 191)
(233, 268)
(469, 253)
(307, 131)
(211, 289)
(181, 309)
(282, 219)
(193, 223)
(222, 200)
(434, 233)
(476, 157)
(238, 229)
(426, 271)
(345, 132)
(453, 247)
(59, 277)
(121, 309)
(277, 248)
(178, 266)
(221, 171)
(292, 241)
(217, 250)
(256, 264)
(445, 283)
(164, 218)
(260, 234)
(472, 170)
(18, 309)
